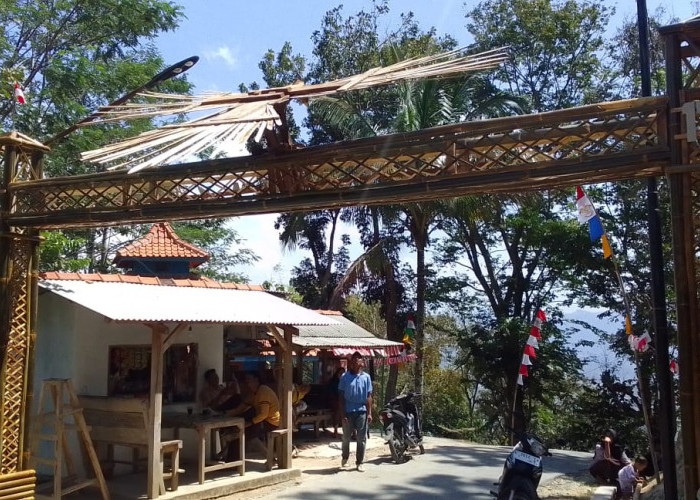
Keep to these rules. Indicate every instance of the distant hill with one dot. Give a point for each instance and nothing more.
(598, 357)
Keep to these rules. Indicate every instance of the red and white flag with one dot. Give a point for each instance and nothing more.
(674, 367)
(19, 95)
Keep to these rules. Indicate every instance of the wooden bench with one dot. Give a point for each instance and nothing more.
(124, 422)
(275, 440)
(318, 418)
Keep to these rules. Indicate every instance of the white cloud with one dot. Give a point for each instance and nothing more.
(222, 53)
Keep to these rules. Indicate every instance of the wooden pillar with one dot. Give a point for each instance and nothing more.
(158, 333)
(683, 202)
(286, 400)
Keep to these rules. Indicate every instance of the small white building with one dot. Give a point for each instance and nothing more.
(105, 331)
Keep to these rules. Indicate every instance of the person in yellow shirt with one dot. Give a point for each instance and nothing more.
(260, 409)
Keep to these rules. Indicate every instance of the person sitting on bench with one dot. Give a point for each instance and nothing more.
(299, 406)
(261, 411)
(217, 397)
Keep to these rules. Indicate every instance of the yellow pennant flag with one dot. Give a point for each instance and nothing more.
(607, 250)
(628, 325)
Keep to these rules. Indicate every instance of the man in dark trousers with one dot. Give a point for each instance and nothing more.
(355, 393)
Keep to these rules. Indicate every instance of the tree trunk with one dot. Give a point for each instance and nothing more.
(420, 312)
(392, 333)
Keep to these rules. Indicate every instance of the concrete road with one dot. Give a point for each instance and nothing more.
(449, 469)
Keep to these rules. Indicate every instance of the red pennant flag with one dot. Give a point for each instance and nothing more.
(674, 367)
(523, 370)
(535, 332)
(541, 316)
(19, 95)
(530, 351)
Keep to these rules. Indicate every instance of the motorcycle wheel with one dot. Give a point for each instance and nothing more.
(396, 450)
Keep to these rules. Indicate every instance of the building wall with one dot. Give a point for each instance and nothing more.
(73, 342)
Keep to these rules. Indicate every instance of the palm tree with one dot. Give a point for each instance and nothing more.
(420, 104)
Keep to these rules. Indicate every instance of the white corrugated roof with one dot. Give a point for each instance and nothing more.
(344, 334)
(137, 303)
(343, 328)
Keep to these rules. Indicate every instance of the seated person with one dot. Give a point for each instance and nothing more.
(299, 406)
(630, 476)
(608, 458)
(261, 412)
(217, 397)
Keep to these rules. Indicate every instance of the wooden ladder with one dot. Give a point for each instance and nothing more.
(57, 404)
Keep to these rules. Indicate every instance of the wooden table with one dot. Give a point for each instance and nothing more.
(205, 425)
(316, 417)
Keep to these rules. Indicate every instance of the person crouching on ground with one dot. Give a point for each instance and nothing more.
(355, 393)
(608, 458)
(630, 476)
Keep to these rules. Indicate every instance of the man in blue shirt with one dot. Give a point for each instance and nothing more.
(355, 393)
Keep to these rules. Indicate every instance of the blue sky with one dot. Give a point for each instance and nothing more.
(231, 37)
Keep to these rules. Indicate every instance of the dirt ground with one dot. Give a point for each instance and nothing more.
(578, 487)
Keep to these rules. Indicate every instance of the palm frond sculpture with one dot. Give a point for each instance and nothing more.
(226, 121)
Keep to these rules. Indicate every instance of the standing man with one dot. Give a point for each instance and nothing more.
(355, 393)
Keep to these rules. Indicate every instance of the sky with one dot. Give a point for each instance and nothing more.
(231, 37)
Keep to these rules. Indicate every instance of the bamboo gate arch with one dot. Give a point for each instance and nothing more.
(603, 142)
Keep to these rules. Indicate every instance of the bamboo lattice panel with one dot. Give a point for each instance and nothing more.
(16, 360)
(609, 141)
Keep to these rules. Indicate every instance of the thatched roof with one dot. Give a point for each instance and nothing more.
(233, 118)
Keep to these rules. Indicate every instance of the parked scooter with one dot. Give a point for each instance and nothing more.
(522, 470)
(402, 426)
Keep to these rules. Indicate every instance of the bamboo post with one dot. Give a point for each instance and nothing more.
(158, 333)
(684, 263)
(38, 170)
(640, 388)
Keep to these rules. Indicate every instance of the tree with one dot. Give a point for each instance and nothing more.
(70, 57)
(315, 278)
(556, 46)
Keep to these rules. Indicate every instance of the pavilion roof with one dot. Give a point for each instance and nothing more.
(161, 242)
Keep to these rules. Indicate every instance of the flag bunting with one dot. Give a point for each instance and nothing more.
(409, 334)
(588, 214)
(531, 345)
(19, 94)
(674, 367)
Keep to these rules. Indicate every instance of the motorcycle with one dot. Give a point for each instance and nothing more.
(402, 426)
(522, 470)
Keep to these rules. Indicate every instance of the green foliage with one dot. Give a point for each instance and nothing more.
(74, 56)
(223, 245)
(367, 315)
(556, 47)
(59, 252)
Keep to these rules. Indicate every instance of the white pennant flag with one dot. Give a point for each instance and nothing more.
(526, 360)
(520, 380)
(532, 341)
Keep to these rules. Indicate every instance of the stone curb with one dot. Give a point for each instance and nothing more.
(604, 493)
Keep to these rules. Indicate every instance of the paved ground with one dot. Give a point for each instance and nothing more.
(450, 469)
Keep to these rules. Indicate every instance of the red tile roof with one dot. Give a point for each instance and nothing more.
(148, 280)
(161, 242)
(329, 312)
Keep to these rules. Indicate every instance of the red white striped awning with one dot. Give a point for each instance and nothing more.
(374, 352)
